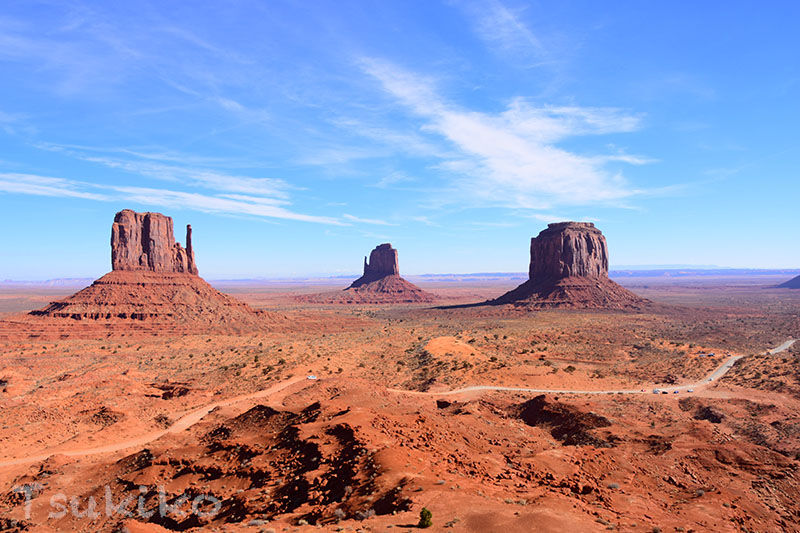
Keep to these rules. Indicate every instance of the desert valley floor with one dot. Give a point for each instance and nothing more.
(87, 412)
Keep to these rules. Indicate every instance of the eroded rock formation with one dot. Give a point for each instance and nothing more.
(382, 262)
(380, 284)
(154, 282)
(568, 249)
(569, 268)
(146, 241)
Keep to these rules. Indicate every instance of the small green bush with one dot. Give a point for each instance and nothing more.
(425, 518)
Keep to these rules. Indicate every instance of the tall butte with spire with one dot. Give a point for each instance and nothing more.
(569, 268)
(146, 242)
(153, 281)
(380, 284)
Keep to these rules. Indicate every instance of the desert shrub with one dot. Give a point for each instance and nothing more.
(425, 518)
(363, 515)
(570, 368)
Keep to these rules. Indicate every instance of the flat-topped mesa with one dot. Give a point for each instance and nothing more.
(146, 242)
(568, 249)
(382, 262)
(569, 268)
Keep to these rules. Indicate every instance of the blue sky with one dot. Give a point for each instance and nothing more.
(296, 136)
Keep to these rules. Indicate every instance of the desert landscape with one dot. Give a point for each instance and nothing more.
(675, 410)
(469, 266)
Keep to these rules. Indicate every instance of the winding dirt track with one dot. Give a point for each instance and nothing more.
(194, 416)
(185, 422)
(720, 371)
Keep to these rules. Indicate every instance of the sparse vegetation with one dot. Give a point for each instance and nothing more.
(425, 518)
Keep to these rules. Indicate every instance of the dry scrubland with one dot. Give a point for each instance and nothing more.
(350, 452)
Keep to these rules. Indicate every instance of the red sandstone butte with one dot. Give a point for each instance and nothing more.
(569, 268)
(382, 263)
(380, 284)
(153, 282)
(146, 241)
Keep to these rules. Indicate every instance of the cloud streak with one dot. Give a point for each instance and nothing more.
(46, 186)
(352, 218)
(504, 31)
(230, 205)
(512, 158)
(226, 204)
(153, 166)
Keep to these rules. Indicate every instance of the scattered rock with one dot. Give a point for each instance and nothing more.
(567, 424)
(707, 412)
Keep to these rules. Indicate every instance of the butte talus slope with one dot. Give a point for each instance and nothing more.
(793, 283)
(153, 282)
(569, 268)
(380, 284)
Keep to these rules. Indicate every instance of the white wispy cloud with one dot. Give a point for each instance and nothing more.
(512, 158)
(152, 165)
(548, 217)
(46, 186)
(8, 122)
(226, 204)
(393, 178)
(504, 30)
(236, 205)
(353, 218)
(244, 113)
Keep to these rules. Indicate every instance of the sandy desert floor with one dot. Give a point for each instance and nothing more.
(376, 438)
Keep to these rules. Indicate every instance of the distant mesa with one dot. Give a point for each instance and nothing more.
(382, 263)
(153, 281)
(380, 284)
(569, 268)
(793, 283)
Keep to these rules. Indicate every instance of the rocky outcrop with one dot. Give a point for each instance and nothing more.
(382, 262)
(154, 282)
(380, 284)
(793, 283)
(568, 249)
(146, 241)
(569, 268)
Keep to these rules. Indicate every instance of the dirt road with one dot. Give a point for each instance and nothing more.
(194, 416)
